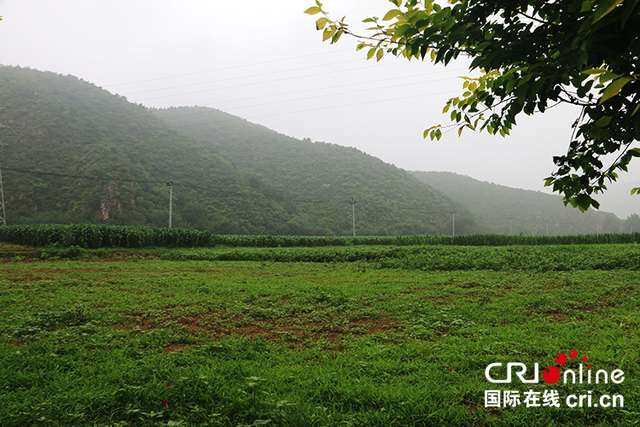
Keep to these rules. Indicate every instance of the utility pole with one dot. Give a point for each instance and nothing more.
(453, 232)
(352, 202)
(3, 218)
(547, 228)
(170, 185)
(510, 218)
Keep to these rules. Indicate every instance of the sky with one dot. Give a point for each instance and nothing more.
(264, 61)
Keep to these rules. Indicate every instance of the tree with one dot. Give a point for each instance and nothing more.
(532, 55)
(632, 224)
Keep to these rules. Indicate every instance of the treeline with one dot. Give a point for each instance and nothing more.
(94, 236)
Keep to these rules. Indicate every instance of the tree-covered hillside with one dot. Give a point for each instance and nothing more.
(529, 212)
(319, 179)
(75, 153)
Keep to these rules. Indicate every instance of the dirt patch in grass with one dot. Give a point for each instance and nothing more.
(300, 330)
(174, 347)
(559, 317)
(193, 323)
(292, 330)
(143, 324)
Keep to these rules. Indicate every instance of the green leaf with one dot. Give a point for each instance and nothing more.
(604, 8)
(391, 14)
(313, 10)
(320, 23)
(603, 122)
(587, 5)
(628, 12)
(614, 88)
(337, 36)
(608, 75)
(328, 33)
(594, 71)
(430, 132)
(379, 54)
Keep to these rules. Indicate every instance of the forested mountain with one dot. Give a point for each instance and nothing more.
(76, 153)
(529, 212)
(319, 179)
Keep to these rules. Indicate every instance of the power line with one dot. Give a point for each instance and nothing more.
(235, 67)
(288, 78)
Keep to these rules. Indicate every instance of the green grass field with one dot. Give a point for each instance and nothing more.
(387, 337)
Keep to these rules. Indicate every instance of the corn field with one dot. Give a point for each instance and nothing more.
(93, 236)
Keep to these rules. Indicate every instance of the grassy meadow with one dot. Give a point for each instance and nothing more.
(330, 336)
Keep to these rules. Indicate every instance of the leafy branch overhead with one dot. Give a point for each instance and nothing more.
(531, 56)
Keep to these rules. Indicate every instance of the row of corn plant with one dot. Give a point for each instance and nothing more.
(93, 236)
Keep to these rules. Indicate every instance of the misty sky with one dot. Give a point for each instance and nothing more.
(264, 61)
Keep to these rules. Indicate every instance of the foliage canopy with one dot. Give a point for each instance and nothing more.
(532, 55)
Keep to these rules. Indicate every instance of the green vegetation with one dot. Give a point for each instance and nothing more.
(317, 180)
(440, 258)
(90, 236)
(531, 56)
(229, 343)
(77, 154)
(497, 207)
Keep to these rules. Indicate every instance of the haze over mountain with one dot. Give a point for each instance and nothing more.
(76, 153)
(507, 210)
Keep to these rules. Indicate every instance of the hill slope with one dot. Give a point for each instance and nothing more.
(528, 212)
(320, 179)
(76, 153)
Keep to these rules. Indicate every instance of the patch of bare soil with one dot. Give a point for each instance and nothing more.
(174, 347)
(143, 324)
(291, 330)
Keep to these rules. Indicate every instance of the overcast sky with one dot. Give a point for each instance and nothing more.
(264, 61)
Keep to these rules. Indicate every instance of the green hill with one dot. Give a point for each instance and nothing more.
(529, 212)
(75, 153)
(319, 179)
